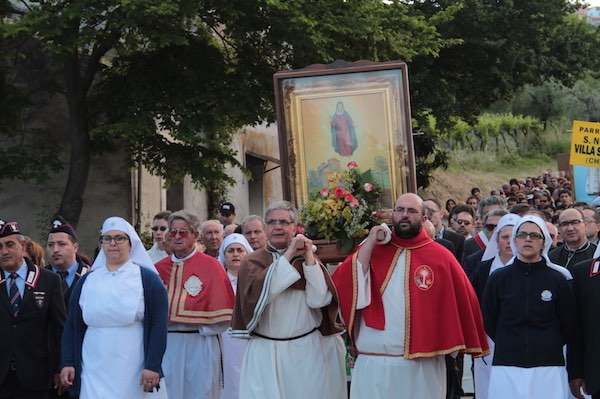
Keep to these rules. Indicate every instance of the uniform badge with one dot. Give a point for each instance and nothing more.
(38, 298)
(546, 296)
(595, 269)
(193, 286)
(424, 277)
(30, 277)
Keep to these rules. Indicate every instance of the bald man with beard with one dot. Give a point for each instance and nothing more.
(402, 336)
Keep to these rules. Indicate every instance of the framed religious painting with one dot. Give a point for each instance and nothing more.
(336, 116)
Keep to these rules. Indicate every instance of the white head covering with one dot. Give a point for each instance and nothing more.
(510, 219)
(137, 253)
(547, 242)
(234, 238)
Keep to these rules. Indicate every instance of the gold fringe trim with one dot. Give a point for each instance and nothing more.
(354, 294)
(460, 348)
(415, 247)
(390, 271)
(407, 301)
(177, 297)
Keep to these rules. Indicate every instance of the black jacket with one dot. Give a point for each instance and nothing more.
(583, 355)
(564, 257)
(82, 269)
(32, 339)
(529, 312)
(470, 262)
(458, 240)
(480, 277)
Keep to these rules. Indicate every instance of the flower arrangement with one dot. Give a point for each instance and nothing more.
(343, 211)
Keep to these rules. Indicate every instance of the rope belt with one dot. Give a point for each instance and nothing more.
(284, 339)
(379, 354)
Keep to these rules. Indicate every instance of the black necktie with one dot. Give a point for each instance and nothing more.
(63, 277)
(15, 296)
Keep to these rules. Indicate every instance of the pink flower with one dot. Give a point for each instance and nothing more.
(352, 165)
(368, 187)
(351, 199)
(324, 192)
(339, 192)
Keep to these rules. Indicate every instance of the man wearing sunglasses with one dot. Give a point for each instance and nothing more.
(480, 240)
(576, 247)
(475, 250)
(159, 229)
(461, 220)
(200, 309)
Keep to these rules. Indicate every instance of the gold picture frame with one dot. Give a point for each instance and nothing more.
(331, 115)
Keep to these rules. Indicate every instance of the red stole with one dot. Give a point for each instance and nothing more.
(199, 290)
(442, 312)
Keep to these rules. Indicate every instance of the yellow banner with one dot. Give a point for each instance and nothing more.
(585, 144)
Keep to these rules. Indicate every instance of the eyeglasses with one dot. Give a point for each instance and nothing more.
(117, 239)
(161, 228)
(568, 223)
(461, 222)
(182, 233)
(410, 211)
(490, 226)
(282, 222)
(533, 235)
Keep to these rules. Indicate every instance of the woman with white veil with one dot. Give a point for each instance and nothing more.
(497, 255)
(116, 332)
(232, 252)
(529, 313)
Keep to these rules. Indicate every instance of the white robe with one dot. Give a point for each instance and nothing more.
(233, 355)
(384, 377)
(531, 382)
(112, 304)
(483, 365)
(192, 361)
(299, 368)
(156, 253)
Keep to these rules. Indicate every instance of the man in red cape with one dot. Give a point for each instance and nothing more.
(200, 309)
(406, 303)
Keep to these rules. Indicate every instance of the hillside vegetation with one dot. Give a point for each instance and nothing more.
(488, 171)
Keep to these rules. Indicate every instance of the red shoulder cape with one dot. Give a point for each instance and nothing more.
(442, 312)
(208, 301)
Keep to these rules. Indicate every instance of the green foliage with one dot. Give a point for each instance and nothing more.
(29, 156)
(200, 70)
(146, 237)
(552, 146)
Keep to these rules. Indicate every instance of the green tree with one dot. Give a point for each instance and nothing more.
(499, 47)
(198, 70)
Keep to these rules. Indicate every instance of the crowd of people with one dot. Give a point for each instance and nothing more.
(219, 310)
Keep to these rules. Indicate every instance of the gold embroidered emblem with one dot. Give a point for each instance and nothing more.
(424, 277)
(193, 286)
